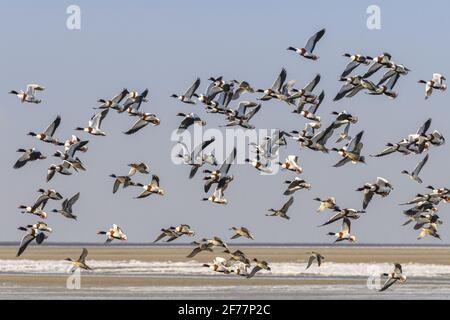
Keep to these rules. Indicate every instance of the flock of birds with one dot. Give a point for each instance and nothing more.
(216, 99)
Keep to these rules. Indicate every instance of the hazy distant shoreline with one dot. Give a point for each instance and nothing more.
(243, 244)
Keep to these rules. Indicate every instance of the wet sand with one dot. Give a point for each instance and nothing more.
(123, 286)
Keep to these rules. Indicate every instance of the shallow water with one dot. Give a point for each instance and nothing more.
(194, 268)
(412, 291)
(336, 281)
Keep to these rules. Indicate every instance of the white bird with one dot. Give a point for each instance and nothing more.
(113, 103)
(29, 94)
(414, 175)
(344, 234)
(218, 195)
(219, 265)
(69, 155)
(138, 167)
(47, 135)
(258, 164)
(187, 96)
(295, 185)
(307, 51)
(152, 187)
(61, 169)
(393, 277)
(430, 230)
(134, 101)
(328, 203)
(143, 120)
(437, 82)
(95, 124)
(189, 120)
(114, 233)
(291, 164)
(381, 187)
(34, 233)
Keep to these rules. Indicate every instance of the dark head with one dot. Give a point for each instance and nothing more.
(32, 134)
(334, 149)
(113, 176)
(54, 210)
(196, 95)
(348, 55)
(57, 154)
(68, 259)
(205, 199)
(174, 96)
(79, 129)
(291, 49)
(21, 150)
(181, 114)
(101, 232)
(405, 172)
(13, 92)
(22, 228)
(101, 100)
(317, 199)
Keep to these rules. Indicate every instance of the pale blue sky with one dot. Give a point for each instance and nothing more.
(165, 45)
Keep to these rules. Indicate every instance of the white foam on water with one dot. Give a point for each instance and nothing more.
(286, 269)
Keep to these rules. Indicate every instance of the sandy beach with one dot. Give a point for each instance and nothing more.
(355, 254)
(140, 272)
